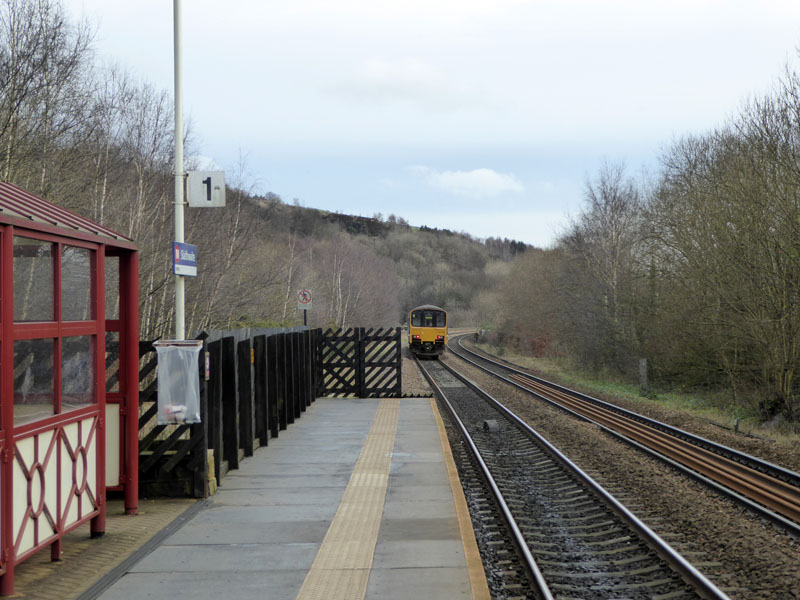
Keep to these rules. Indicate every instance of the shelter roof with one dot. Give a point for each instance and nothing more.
(18, 205)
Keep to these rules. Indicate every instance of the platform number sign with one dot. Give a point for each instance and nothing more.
(205, 189)
(304, 300)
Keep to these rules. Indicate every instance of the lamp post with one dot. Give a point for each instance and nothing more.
(180, 332)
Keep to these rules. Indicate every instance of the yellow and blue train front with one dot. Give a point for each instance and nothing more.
(427, 334)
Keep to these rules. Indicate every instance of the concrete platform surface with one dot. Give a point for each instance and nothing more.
(355, 500)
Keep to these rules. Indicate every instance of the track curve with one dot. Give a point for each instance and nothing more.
(583, 542)
(765, 488)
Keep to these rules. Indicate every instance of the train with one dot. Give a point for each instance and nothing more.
(427, 330)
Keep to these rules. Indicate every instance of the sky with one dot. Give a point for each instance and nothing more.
(482, 116)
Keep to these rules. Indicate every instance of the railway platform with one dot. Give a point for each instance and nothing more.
(359, 499)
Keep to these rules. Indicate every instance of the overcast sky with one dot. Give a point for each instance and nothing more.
(484, 116)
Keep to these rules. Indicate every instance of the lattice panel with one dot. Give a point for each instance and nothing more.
(35, 490)
(339, 358)
(39, 515)
(381, 362)
(361, 362)
(78, 471)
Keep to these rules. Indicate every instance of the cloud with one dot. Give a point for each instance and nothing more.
(479, 183)
(425, 85)
(404, 10)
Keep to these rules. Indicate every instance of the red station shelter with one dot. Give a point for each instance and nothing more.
(69, 375)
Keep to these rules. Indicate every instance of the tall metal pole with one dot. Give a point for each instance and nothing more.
(179, 175)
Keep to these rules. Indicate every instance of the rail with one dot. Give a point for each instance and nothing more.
(765, 488)
(690, 575)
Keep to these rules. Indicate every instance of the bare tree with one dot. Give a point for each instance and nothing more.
(603, 244)
(43, 85)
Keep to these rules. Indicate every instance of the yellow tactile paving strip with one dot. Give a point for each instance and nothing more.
(341, 568)
(477, 576)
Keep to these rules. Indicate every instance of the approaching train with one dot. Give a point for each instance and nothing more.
(427, 330)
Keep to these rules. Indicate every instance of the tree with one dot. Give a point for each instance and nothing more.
(44, 87)
(602, 248)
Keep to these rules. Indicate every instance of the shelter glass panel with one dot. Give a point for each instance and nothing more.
(34, 391)
(77, 372)
(112, 287)
(33, 279)
(77, 279)
(112, 361)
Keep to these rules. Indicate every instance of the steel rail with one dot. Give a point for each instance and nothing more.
(765, 466)
(777, 495)
(530, 562)
(763, 490)
(678, 563)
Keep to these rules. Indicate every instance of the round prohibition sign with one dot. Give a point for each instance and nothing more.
(304, 296)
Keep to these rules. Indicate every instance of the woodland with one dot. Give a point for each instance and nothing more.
(694, 267)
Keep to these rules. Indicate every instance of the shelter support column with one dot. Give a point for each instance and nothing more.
(129, 351)
(98, 523)
(7, 410)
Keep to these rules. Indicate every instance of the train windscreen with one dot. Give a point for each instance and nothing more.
(428, 318)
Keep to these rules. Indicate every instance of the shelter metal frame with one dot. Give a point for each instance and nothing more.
(62, 449)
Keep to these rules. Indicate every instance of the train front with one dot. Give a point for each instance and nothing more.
(427, 331)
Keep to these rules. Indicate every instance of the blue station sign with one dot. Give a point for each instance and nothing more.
(184, 259)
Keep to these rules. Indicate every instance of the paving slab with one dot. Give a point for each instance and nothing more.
(203, 558)
(234, 585)
(277, 532)
(293, 496)
(427, 583)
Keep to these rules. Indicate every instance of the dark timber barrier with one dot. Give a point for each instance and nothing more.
(253, 384)
(360, 362)
(257, 383)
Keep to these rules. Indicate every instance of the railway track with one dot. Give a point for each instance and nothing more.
(574, 539)
(767, 489)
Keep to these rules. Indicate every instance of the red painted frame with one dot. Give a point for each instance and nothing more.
(47, 524)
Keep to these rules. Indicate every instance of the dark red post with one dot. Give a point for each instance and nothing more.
(7, 412)
(129, 340)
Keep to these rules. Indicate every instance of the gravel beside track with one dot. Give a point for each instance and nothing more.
(414, 383)
(745, 556)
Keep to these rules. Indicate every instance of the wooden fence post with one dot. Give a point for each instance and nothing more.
(398, 389)
(198, 455)
(272, 386)
(299, 381)
(360, 362)
(308, 362)
(319, 377)
(215, 407)
(230, 412)
(245, 396)
(285, 415)
(286, 362)
(260, 389)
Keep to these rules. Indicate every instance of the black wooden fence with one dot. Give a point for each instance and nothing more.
(360, 362)
(257, 383)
